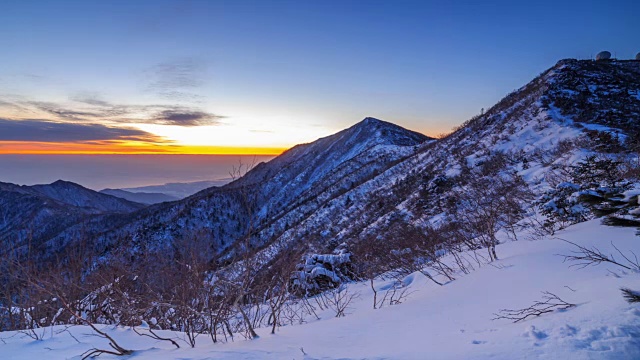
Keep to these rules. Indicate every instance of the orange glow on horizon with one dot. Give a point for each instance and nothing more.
(112, 148)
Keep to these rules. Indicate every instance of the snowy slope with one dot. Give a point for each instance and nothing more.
(448, 322)
(535, 129)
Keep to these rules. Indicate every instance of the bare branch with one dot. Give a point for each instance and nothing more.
(631, 296)
(153, 335)
(550, 302)
(584, 257)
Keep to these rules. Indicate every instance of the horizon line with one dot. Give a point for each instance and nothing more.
(83, 149)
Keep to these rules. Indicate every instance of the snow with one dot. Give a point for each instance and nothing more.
(453, 321)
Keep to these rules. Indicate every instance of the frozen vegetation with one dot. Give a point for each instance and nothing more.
(453, 321)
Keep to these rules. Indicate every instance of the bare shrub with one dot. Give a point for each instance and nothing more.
(339, 300)
(550, 302)
(395, 294)
(583, 257)
(485, 205)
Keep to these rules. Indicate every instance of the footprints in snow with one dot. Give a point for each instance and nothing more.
(598, 339)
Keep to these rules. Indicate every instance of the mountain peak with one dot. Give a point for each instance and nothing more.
(373, 130)
(65, 183)
(371, 122)
(73, 194)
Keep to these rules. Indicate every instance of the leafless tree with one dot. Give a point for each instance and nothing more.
(485, 205)
(339, 300)
(408, 250)
(275, 285)
(63, 294)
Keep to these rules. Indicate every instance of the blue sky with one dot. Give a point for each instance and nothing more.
(275, 73)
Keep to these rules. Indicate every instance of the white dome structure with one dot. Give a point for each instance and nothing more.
(638, 56)
(603, 55)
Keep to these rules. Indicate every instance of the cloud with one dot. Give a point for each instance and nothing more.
(181, 73)
(90, 108)
(49, 131)
(185, 118)
(34, 77)
(9, 103)
(64, 113)
(6, 103)
(90, 98)
(181, 96)
(177, 79)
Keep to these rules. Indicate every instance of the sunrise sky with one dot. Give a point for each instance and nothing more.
(257, 77)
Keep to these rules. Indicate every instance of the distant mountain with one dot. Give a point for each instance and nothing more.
(178, 190)
(90, 201)
(37, 213)
(140, 197)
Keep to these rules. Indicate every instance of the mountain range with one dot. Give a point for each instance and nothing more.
(31, 213)
(351, 185)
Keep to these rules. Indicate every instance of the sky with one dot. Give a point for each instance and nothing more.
(257, 77)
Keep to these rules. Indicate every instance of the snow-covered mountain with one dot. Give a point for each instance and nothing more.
(359, 182)
(90, 201)
(530, 132)
(268, 198)
(38, 212)
(379, 210)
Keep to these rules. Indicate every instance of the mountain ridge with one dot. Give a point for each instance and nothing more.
(351, 185)
(222, 214)
(35, 212)
(141, 197)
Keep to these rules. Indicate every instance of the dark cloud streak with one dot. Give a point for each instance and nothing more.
(49, 131)
(62, 112)
(90, 99)
(186, 118)
(95, 110)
